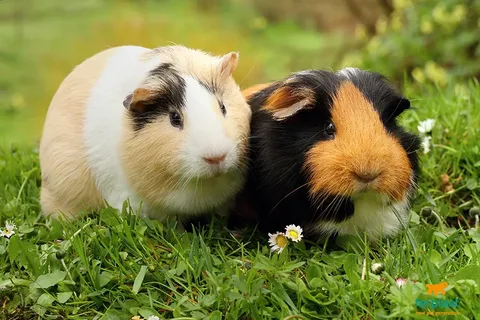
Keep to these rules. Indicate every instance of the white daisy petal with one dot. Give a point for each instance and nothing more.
(426, 126)
(9, 225)
(277, 241)
(426, 144)
(294, 232)
(7, 233)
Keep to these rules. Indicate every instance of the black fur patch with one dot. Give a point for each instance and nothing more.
(276, 185)
(170, 97)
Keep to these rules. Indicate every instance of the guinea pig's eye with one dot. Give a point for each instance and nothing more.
(330, 130)
(176, 119)
(222, 107)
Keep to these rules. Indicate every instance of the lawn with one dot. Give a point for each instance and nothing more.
(116, 265)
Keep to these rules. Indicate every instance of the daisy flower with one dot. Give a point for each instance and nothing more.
(278, 241)
(426, 126)
(294, 233)
(153, 318)
(9, 230)
(426, 144)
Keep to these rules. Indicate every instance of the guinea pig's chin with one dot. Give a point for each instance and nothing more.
(208, 172)
(375, 195)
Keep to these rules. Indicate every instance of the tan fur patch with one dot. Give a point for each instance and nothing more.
(67, 183)
(207, 69)
(229, 63)
(140, 96)
(361, 146)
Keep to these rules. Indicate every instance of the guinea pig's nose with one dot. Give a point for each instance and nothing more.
(215, 160)
(366, 176)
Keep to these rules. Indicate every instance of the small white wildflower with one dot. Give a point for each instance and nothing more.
(278, 241)
(426, 126)
(294, 233)
(9, 230)
(426, 144)
(377, 268)
(401, 282)
(153, 318)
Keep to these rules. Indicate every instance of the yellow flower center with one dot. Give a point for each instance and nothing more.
(281, 241)
(293, 234)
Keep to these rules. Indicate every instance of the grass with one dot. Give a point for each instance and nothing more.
(116, 265)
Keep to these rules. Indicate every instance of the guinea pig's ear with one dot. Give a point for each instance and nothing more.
(228, 63)
(287, 100)
(395, 108)
(136, 101)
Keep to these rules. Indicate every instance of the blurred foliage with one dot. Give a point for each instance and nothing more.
(425, 41)
(428, 41)
(43, 40)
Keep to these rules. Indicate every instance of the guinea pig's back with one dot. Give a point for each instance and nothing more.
(105, 121)
(68, 183)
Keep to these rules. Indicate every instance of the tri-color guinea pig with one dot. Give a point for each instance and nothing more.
(165, 128)
(327, 153)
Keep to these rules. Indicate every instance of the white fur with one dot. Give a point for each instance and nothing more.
(103, 122)
(348, 72)
(205, 131)
(201, 195)
(373, 215)
(206, 137)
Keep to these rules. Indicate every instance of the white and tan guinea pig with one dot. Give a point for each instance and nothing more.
(165, 128)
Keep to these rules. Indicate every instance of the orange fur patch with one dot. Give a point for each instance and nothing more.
(250, 91)
(286, 96)
(361, 146)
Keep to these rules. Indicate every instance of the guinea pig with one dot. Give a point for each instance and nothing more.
(327, 154)
(165, 128)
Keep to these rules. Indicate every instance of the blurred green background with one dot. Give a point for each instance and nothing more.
(420, 42)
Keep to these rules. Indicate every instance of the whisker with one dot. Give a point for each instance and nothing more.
(289, 194)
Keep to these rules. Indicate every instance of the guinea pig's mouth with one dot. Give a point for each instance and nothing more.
(212, 173)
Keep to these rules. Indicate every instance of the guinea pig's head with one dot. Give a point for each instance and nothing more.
(187, 121)
(344, 128)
